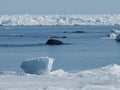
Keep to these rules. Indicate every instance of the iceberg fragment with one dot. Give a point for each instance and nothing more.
(42, 65)
(114, 33)
(118, 38)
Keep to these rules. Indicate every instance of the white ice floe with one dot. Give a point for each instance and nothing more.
(113, 34)
(118, 38)
(11, 20)
(104, 78)
(40, 65)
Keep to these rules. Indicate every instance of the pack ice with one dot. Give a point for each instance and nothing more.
(26, 19)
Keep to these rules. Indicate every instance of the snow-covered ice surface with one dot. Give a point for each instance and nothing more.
(104, 78)
(27, 19)
(41, 65)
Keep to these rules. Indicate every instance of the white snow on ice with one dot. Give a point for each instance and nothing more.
(104, 78)
(11, 20)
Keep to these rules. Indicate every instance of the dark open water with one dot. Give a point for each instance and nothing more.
(84, 51)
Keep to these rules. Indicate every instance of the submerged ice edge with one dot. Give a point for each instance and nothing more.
(13, 20)
(21, 45)
(18, 35)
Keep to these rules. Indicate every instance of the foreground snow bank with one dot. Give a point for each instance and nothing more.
(40, 65)
(104, 78)
(27, 19)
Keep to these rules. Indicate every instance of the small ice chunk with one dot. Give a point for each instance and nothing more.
(42, 65)
(113, 34)
(118, 38)
(115, 31)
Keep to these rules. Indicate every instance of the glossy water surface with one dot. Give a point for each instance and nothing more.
(82, 51)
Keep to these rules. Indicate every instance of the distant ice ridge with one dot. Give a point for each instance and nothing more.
(104, 78)
(13, 20)
(42, 65)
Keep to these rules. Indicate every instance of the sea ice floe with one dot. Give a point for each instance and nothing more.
(114, 33)
(40, 65)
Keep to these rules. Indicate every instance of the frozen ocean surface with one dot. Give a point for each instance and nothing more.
(87, 62)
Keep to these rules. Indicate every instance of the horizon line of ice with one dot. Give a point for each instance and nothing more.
(27, 20)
